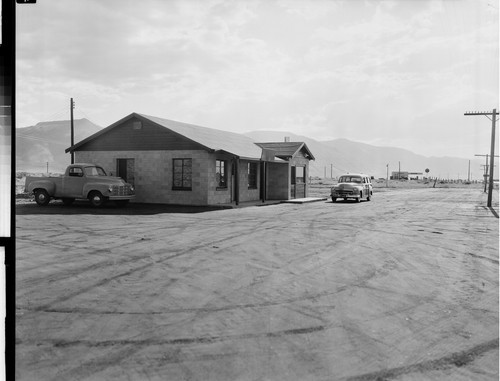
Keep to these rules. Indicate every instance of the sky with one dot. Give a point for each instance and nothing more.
(387, 73)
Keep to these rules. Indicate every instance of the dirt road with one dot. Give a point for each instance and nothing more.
(403, 287)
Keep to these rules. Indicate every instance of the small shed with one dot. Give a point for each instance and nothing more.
(171, 162)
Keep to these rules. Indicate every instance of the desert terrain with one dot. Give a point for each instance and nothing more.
(404, 287)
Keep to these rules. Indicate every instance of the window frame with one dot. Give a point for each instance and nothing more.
(252, 175)
(185, 175)
(221, 179)
(75, 172)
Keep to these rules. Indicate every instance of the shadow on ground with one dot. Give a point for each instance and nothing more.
(55, 207)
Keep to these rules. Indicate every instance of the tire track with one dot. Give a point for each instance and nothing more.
(456, 359)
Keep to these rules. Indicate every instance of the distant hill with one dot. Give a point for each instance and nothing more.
(46, 142)
(338, 156)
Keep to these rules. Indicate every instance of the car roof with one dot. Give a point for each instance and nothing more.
(354, 174)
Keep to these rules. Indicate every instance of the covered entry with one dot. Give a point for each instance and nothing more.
(298, 182)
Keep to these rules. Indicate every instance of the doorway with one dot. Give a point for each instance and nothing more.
(125, 170)
(298, 182)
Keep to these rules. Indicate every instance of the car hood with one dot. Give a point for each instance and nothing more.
(347, 185)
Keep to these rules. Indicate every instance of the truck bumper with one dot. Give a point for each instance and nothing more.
(113, 198)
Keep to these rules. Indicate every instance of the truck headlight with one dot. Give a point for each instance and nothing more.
(110, 189)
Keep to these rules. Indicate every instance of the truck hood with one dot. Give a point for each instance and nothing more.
(111, 180)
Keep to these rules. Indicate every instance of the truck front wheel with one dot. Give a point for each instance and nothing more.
(42, 198)
(96, 198)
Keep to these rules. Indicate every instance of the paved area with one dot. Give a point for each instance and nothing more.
(404, 287)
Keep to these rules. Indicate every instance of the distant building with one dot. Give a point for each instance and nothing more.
(171, 162)
(404, 175)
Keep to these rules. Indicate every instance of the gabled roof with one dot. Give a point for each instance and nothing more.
(217, 140)
(212, 139)
(286, 150)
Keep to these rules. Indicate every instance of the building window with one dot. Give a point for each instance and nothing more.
(182, 174)
(220, 173)
(252, 175)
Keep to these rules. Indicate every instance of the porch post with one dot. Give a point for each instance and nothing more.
(237, 180)
(263, 181)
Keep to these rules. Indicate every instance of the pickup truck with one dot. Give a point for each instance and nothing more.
(80, 181)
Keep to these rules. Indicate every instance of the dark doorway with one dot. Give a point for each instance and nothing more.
(125, 170)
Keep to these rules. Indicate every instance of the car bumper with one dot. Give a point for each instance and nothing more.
(345, 195)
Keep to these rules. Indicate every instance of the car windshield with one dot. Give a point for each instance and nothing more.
(94, 171)
(350, 179)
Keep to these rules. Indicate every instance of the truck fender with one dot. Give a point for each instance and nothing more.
(49, 186)
(103, 188)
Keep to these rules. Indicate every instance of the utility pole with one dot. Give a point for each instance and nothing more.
(331, 171)
(399, 170)
(493, 119)
(71, 107)
(387, 178)
(485, 175)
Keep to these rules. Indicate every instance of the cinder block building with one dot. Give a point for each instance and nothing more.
(171, 162)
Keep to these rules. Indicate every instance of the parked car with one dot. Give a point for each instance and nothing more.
(80, 181)
(356, 186)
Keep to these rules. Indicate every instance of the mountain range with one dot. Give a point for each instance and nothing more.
(44, 144)
(335, 157)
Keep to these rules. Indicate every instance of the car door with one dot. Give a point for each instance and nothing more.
(366, 187)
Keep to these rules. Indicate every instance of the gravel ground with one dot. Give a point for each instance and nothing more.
(404, 287)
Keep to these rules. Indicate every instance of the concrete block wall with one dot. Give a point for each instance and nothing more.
(219, 195)
(247, 194)
(278, 180)
(154, 174)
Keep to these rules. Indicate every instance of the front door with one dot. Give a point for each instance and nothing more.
(298, 184)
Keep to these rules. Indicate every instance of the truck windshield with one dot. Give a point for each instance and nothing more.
(94, 171)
